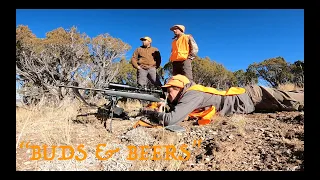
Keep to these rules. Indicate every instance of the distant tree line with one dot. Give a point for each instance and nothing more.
(68, 57)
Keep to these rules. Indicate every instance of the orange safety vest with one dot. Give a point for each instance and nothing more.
(180, 48)
(204, 116)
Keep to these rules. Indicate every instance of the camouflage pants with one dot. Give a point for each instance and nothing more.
(182, 67)
(271, 99)
(148, 74)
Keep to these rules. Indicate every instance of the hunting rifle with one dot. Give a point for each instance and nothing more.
(115, 92)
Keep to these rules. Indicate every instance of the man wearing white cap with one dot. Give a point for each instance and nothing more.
(147, 59)
(184, 50)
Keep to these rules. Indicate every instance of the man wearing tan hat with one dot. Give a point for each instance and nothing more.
(184, 50)
(190, 100)
(147, 59)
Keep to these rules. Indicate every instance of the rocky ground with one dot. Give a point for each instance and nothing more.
(259, 141)
(265, 142)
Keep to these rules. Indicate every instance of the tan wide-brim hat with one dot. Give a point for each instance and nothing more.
(181, 27)
(146, 38)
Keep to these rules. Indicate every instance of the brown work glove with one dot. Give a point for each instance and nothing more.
(150, 114)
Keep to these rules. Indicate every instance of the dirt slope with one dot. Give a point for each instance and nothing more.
(240, 142)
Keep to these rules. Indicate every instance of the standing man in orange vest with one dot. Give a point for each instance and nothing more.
(147, 59)
(190, 100)
(184, 50)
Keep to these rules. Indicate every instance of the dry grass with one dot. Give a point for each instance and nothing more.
(52, 124)
(49, 125)
(160, 140)
(132, 107)
(288, 87)
(239, 121)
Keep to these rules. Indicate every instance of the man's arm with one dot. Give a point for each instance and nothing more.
(193, 48)
(188, 103)
(134, 59)
(157, 58)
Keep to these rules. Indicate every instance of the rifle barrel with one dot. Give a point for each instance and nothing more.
(115, 85)
(122, 86)
(141, 96)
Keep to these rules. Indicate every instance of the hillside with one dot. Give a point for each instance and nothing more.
(273, 141)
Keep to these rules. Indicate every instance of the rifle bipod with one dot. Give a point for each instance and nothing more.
(107, 111)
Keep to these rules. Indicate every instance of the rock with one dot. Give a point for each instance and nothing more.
(295, 168)
(274, 116)
(290, 134)
(218, 148)
(223, 139)
(288, 151)
(179, 133)
(231, 136)
(262, 151)
(214, 133)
